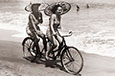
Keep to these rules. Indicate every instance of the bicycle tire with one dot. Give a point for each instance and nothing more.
(69, 60)
(28, 51)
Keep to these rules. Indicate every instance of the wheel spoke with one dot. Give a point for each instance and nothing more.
(67, 63)
(30, 41)
(26, 45)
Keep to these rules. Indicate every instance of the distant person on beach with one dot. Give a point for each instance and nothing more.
(35, 19)
(87, 6)
(54, 24)
(78, 8)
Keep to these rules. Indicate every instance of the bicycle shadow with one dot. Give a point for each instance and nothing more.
(47, 63)
(53, 64)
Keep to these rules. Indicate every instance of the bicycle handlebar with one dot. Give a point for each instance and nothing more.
(70, 33)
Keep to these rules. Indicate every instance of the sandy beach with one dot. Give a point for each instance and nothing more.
(12, 62)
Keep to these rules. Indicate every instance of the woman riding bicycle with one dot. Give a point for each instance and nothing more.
(35, 19)
(69, 56)
(54, 24)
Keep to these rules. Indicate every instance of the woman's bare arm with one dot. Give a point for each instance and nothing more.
(32, 21)
(51, 24)
(35, 29)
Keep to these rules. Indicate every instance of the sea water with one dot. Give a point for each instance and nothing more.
(93, 28)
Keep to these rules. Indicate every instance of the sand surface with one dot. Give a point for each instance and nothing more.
(12, 62)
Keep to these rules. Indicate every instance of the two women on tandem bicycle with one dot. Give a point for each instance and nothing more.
(70, 57)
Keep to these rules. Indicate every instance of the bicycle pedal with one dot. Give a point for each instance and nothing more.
(52, 57)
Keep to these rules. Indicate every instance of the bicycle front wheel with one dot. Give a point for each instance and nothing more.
(72, 60)
(28, 51)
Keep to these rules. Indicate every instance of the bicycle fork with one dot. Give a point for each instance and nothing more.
(69, 54)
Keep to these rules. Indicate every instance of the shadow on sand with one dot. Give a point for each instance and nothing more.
(48, 63)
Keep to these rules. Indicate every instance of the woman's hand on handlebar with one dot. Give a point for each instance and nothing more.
(70, 32)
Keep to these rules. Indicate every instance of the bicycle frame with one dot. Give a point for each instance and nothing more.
(62, 47)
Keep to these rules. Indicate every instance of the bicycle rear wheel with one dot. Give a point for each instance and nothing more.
(72, 60)
(28, 48)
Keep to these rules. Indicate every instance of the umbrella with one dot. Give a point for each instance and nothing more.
(65, 6)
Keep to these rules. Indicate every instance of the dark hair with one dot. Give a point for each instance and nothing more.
(33, 6)
(55, 8)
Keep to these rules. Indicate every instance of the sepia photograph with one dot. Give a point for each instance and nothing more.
(57, 38)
